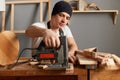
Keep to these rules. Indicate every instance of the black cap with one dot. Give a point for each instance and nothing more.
(62, 6)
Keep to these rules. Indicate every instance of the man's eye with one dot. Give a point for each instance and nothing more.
(68, 18)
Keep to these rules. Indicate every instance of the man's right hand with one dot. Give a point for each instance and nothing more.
(51, 39)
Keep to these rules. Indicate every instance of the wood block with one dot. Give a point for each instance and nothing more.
(85, 61)
(111, 65)
(42, 66)
(89, 52)
(116, 58)
(94, 49)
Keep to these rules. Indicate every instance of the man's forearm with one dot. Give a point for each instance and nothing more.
(34, 31)
(72, 49)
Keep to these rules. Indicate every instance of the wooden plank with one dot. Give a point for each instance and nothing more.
(12, 18)
(49, 10)
(3, 20)
(85, 61)
(25, 2)
(115, 13)
(41, 11)
(97, 11)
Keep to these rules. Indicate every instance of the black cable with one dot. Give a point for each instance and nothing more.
(11, 66)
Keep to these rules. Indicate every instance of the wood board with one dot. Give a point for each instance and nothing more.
(85, 61)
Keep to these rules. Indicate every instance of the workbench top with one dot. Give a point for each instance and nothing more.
(26, 71)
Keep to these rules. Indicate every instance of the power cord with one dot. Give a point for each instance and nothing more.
(11, 66)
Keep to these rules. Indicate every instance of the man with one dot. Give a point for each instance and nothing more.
(49, 32)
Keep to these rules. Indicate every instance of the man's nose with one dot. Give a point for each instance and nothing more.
(64, 20)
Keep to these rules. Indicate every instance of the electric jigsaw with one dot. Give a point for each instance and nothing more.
(59, 55)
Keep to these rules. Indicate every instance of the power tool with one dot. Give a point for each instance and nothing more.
(59, 55)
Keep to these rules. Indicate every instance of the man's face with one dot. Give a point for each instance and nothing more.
(61, 19)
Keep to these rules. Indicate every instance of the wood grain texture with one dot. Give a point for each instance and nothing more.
(102, 74)
(9, 47)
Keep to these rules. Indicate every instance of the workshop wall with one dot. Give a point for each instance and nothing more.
(97, 29)
(89, 29)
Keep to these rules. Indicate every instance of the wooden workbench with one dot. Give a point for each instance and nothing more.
(26, 71)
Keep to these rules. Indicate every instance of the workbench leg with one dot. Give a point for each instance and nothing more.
(88, 74)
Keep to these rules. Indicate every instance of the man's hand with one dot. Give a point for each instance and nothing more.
(51, 39)
(72, 57)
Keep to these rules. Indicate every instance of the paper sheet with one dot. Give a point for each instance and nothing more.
(2, 5)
